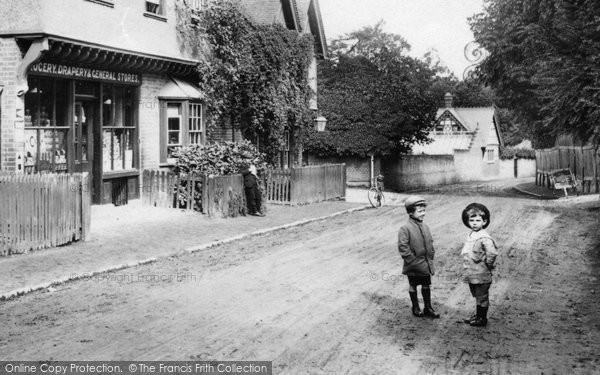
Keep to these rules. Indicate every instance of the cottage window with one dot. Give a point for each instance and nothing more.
(182, 124)
(154, 6)
(156, 9)
(491, 155)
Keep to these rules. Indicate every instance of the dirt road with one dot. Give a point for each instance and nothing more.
(328, 298)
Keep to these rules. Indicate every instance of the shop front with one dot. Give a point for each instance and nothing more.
(82, 119)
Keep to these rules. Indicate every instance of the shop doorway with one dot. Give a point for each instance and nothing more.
(82, 136)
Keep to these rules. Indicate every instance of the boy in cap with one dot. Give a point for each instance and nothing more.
(479, 255)
(415, 245)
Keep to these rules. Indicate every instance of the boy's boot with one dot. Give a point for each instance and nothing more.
(481, 319)
(428, 311)
(416, 310)
(471, 318)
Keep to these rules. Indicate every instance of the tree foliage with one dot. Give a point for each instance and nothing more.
(466, 93)
(219, 159)
(255, 76)
(375, 98)
(544, 61)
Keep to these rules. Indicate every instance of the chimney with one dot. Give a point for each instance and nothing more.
(448, 100)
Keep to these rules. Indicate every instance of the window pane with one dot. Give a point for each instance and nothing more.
(85, 88)
(195, 123)
(32, 101)
(31, 150)
(107, 105)
(60, 150)
(107, 150)
(117, 151)
(127, 106)
(62, 103)
(46, 95)
(173, 110)
(118, 106)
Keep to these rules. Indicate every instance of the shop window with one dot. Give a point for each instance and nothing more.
(182, 125)
(46, 126)
(118, 128)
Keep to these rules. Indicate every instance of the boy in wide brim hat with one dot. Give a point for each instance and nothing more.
(479, 256)
(415, 245)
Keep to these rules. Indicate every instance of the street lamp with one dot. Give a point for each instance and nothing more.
(320, 123)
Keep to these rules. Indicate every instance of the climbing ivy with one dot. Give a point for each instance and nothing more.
(255, 76)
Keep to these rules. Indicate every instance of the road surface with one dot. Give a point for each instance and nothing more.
(329, 298)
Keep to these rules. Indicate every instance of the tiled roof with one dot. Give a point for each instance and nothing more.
(305, 20)
(263, 11)
(479, 122)
(444, 144)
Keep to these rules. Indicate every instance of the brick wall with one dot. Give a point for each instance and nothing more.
(11, 133)
(149, 120)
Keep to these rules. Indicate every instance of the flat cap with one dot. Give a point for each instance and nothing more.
(477, 206)
(414, 200)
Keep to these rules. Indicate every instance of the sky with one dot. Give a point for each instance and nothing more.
(425, 24)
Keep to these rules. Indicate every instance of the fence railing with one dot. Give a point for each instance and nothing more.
(224, 195)
(306, 184)
(43, 210)
(584, 162)
(212, 195)
(171, 190)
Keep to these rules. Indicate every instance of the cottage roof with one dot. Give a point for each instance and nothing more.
(299, 15)
(444, 144)
(481, 131)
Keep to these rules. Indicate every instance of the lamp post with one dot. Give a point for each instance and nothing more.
(320, 123)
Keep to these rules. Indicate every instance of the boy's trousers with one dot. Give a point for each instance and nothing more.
(481, 292)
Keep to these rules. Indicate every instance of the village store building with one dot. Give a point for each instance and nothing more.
(95, 86)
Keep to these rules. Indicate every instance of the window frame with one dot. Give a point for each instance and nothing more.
(490, 155)
(160, 14)
(34, 125)
(185, 126)
(114, 125)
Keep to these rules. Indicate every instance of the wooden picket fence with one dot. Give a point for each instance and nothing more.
(306, 184)
(172, 190)
(43, 210)
(584, 162)
(213, 195)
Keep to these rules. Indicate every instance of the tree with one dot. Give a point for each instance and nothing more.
(544, 62)
(375, 98)
(253, 75)
(467, 93)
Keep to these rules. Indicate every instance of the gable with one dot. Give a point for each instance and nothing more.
(448, 123)
(303, 16)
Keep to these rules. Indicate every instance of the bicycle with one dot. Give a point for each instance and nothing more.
(375, 193)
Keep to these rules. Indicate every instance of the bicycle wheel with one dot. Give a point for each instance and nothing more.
(375, 197)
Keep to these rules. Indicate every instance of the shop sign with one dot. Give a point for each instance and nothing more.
(77, 72)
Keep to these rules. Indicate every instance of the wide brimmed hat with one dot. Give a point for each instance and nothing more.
(414, 200)
(479, 206)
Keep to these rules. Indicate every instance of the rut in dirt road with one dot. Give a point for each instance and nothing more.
(329, 297)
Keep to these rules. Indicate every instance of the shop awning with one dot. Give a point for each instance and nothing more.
(179, 89)
(59, 49)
